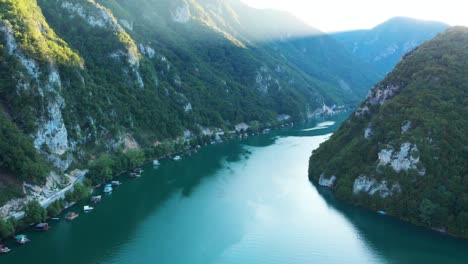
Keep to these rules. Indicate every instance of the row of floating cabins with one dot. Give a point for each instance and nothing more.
(70, 216)
(108, 188)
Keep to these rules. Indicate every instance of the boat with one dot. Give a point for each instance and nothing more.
(177, 158)
(71, 216)
(134, 175)
(382, 212)
(96, 199)
(55, 218)
(108, 189)
(87, 208)
(116, 183)
(42, 227)
(22, 239)
(156, 162)
(4, 249)
(138, 170)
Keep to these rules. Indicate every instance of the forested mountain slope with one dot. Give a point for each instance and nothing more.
(81, 77)
(405, 149)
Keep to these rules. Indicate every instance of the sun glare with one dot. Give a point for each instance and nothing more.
(340, 15)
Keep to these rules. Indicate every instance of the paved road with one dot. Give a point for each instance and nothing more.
(60, 195)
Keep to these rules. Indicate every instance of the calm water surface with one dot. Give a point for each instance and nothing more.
(239, 202)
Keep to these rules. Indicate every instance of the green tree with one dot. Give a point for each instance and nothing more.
(55, 208)
(34, 212)
(6, 228)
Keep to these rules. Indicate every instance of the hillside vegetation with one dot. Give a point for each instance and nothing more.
(405, 149)
(84, 79)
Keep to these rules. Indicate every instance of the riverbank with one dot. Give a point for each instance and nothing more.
(78, 176)
(243, 201)
(440, 230)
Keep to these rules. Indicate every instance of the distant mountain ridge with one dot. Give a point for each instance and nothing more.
(384, 45)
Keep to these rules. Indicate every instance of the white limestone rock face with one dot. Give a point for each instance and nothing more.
(371, 186)
(30, 65)
(181, 14)
(406, 126)
(330, 182)
(368, 132)
(403, 160)
(378, 96)
(283, 117)
(241, 126)
(51, 130)
(188, 107)
(147, 50)
(326, 110)
(126, 24)
(97, 16)
(263, 79)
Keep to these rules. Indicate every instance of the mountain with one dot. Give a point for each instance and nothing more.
(404, 150)
(384, 45)
(138, 79)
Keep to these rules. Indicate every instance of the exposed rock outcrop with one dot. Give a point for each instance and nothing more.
(330, 182)
(372, 186)
(403, 160)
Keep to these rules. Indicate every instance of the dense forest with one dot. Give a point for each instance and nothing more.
(405, 149)
(79, 78)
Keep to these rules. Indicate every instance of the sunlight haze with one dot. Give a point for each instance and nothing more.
(339, 15)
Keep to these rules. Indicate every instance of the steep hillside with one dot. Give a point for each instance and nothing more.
(80, 78)
(384, 45)
(405, 149)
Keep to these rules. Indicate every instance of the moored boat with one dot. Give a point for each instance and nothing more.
(88, 208)
(22, 239)
(382, 212)
(42, 227)
(96, 199)
(156, 163)
(177, 158)
(4, 249)
(134, 175)
(116, 183)
(108, 188)
(71, 216)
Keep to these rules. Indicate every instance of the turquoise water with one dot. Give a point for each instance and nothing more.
(238, 202)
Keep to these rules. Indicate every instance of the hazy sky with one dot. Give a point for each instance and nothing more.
(337, 15)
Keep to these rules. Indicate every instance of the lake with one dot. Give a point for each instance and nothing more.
(243, 201)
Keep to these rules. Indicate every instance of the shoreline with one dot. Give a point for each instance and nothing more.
(376, 211)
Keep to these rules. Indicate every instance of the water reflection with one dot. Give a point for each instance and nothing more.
(396, 241)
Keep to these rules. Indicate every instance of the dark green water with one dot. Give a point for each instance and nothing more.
(239, 202)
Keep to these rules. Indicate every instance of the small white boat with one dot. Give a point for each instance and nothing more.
(177, 158)
(382, 212)
(22, 239)
(156, 163)
(107, 189)
(88, 208)
(4, 249)
(116, 183)
(96, 199)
